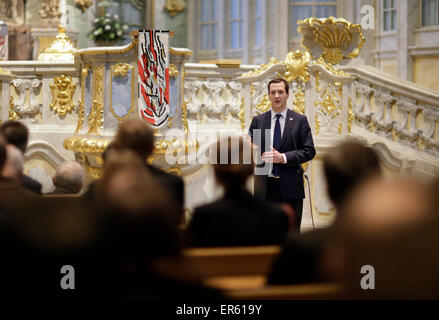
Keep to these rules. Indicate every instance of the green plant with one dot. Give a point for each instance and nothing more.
(107, 28)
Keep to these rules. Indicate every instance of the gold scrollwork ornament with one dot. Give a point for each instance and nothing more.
(174, 6)
(296, 63)
(63, 89)
(121, 69)
(173, 71)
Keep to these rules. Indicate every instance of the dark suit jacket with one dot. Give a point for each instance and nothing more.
(299, 259)
(14, 196)
(31, 184)
(291, 178)
(238, 219)
(171, 183)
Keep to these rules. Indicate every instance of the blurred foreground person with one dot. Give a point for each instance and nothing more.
(386, 246)
(346, 167)
(126, 247)
(238, 218)
(13, 195)
(139, 245)
(138, 137)
(69, 178)
(17, 134)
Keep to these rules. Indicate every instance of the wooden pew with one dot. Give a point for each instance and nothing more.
(228, 261)
(62, 196)
(289, 292)
(233, 267)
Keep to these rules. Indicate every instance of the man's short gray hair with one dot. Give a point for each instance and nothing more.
(70, 175)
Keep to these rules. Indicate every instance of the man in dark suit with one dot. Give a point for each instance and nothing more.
(16, 133)
(284, 140)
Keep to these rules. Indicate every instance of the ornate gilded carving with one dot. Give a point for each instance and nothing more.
(180, 52)
(12, 114)
(49, 9)
(121, 69)
(98, 52)
(296, 63)
(331, 38)
(95, 119)
(96, 116)
(184, 103)
(84, 74)
(170, 124)
(351, 115)
(83, 5)
(63, 89)
(241, 114)
(299, 101)
(317, 124)
(264, 105)
(4, 71)
(184, 116)
(261, 68)
(61, 48)
(174, 6)
(85, 145)
(328, 106)
(173, 71)
(80, 116)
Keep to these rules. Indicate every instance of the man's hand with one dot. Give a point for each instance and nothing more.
(273, 156)
(247, 138)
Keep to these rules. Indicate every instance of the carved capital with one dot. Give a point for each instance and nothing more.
(384, 97)
(407, 105)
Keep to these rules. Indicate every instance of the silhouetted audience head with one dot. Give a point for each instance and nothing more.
(137, 201)
(13, 165)
(15, 133)
(135, 135)
(107, 149)
(69, 176)
(2, 156)
(387, 225)
(233, 160)
(348, 165)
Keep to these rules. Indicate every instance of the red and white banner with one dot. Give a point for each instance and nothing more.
(153, 61)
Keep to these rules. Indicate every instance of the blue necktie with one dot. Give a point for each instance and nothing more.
(276, 143)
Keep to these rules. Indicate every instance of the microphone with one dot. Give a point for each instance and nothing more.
(290, 120)
(299, 165)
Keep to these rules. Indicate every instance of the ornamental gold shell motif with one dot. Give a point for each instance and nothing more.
(331, 38)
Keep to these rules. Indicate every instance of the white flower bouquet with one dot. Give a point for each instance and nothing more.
(107, 28)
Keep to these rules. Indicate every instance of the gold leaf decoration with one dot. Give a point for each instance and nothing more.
(331, 38)
(121, 69)
(173, 71)
(296, 63)
(12, 114)
(299, 101)
(63, 89)
(261, 68)
(264, 105)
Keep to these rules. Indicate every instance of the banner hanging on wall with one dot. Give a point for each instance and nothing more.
(3, 41)
(153, 62)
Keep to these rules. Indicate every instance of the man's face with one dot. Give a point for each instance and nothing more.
(278, 96)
